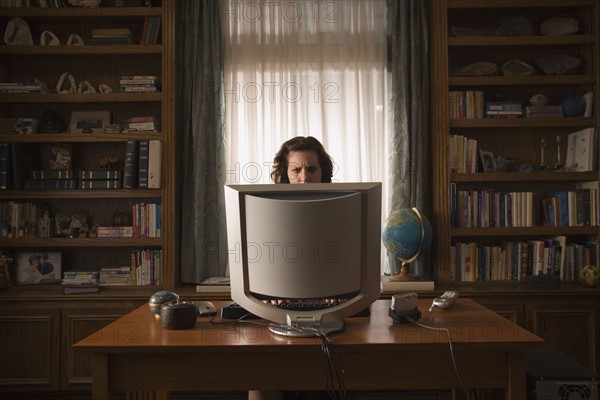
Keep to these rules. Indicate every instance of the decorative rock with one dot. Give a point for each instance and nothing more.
(516, 68)
(480, 68)
(558, 26)
(17, 33)
(75, 40)
(467, 32)
(48, 38)
(557, 64)
(538, 100)
(515, 26)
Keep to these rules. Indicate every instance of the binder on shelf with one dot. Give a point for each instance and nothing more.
(154, 164)
(130, 171)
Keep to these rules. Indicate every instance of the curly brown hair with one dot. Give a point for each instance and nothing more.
(301, 143)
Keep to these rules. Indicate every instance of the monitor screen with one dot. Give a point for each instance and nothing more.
(312, 241)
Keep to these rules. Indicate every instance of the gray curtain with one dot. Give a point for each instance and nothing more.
(202, 150)
(410, 156)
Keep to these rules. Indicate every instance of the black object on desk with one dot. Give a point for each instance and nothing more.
(235, 311)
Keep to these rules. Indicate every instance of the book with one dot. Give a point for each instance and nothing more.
(100, 184)
(154, 164)
(112, 36)
(388, 285)
(5, 166)
(51, 174)
(131, 165)
(581, 150)
(43, 184)
(100, 174)
(215, 284)
(143, 151)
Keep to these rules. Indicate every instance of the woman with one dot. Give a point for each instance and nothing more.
(299, 160)
(302, 160)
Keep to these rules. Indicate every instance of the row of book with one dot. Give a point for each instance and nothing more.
(489, 208)
(142, 168)
(69, 179)
(19, 219)
(150, 30)
(462, 154)
(518, 260)
(466, 104)
(144, 270)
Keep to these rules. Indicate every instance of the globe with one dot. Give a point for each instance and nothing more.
(590, 275)
(406, 234)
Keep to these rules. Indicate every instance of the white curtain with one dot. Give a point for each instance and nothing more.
(300, 68)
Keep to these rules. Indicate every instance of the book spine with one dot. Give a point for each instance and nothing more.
(130, 168)
(35, 184)
(143, 152)
(100, 174)
(154, 164)
(100, 184)
(4, 165)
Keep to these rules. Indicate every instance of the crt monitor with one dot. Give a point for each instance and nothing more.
(311, 241)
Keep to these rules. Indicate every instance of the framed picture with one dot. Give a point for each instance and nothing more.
(487, 161)
(38, 267)
(89, 121)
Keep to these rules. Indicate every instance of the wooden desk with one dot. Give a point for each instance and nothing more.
(134, 353)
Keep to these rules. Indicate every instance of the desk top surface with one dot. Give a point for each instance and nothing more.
(467, 321)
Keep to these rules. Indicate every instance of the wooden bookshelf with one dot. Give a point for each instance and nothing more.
(58, 319)
(517, 139)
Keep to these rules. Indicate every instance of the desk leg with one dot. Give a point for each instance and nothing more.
(517, 381)
(100, 390)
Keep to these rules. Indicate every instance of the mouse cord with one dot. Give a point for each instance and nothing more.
(447, 331)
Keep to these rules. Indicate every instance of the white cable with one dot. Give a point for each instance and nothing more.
(447, 331)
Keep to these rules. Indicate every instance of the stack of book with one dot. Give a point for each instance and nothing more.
(503, 109)
(32, 85)
(112, 36)
(79, 282)
(115, 231)
(139, 124)
(48, 179)
(139, 83)
(543, 111)
(115, 276)
(100, 179)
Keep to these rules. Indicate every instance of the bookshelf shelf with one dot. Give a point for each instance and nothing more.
(524, 177)
(534, 80)
(535, 231)
(80, 242)
(78, 12)
(80, 194)
(521, 41)
(520, 122)
(78, 137)
(82, 98)
(117, 49)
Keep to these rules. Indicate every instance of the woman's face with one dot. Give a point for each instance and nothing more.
(304, 167)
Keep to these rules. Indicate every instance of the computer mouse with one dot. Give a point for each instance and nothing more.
(206, 308)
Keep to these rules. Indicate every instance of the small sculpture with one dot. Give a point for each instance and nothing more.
(515, 26)
(516, 68)
(558, 26)
(75, 40)
(558, 64)
(480, 68)
(72, 88)
(17, 33)
(538, 100)
(48, 38)
(104, 88)
(86, 88)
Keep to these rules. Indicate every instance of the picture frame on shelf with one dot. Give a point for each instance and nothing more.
(488, 163)
(38, 267)
(89, 121)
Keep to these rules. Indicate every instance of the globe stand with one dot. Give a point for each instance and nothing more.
(404, 275)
